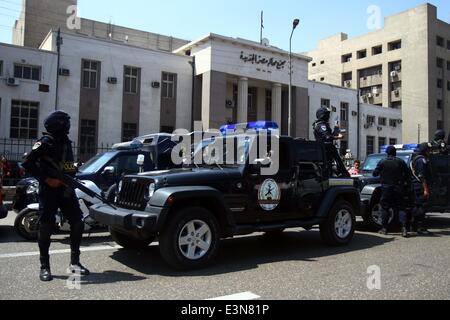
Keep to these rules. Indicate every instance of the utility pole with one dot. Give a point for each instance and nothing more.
(59, 42)
(294, 26)
(262, 27)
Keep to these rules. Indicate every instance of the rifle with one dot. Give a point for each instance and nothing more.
(73, 183)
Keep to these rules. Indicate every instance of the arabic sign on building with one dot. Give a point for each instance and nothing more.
(257, 59)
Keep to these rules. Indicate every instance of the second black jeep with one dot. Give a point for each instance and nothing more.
(190, 209)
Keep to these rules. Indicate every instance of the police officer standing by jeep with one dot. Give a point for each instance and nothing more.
(324, 134)
(395, 177)
(439, 145)
(54, 150)
(421, 187)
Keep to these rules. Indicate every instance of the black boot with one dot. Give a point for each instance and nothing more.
(45, 274)
(76, 266)
(405, 233)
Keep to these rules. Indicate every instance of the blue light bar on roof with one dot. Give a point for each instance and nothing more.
(401, 147)
(258, 125)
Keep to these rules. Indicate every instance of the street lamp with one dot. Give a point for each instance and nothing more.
(294, 26)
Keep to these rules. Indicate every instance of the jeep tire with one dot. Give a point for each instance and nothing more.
(372, 218)
(339, 228)
(190, 240)
(128, 242)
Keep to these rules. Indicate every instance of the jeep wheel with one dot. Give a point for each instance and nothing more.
(339, 228)
(191, 239)
(373, 218)
(129, 242)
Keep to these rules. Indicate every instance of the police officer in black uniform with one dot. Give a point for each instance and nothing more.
(421, 187)
(439, 145)
(324, 134)
(395, 177)
(54, 150)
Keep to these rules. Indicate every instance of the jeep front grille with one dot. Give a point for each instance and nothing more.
(133, 194)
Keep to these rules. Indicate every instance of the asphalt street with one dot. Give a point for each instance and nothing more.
(293, 266)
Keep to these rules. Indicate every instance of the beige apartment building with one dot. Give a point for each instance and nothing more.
(405, 65)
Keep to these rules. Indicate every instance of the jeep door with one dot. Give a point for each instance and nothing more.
(311, 167)
(440, 185)
(272, 197)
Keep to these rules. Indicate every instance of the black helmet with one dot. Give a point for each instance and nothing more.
(439, 135)
(391, 151)
(58, 123)
(323, 114)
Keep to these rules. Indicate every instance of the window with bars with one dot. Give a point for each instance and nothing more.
(88, 133)
(381, 142)
(344, 111)
(24, 119)
(131, 80)
(325, 103)
(129, 131)
(392, 142)
(370, 142)
(90, 74)
(168, 85)
(27, 72)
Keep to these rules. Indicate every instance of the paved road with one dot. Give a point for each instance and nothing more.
(294, 266)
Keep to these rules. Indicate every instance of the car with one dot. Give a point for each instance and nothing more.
(371, 187)
(191, 208)
(106, 169)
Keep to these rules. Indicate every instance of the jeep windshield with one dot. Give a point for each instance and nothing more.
(96, 163)
(372, 161)
(222, 152)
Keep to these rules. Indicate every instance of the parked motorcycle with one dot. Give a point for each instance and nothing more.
(27, 221)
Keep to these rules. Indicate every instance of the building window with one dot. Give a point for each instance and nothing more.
(314, 64)
(440, 41)
(370, 143)
(27, 72)
(343, 148)
(344, 111)
(90, 74)
(440, 63)
(325, 103)
(168, 85)
(440, 83)
(439, 104)
(347, 58)
(440, 125)
(381, 142)
(168, 130)
(322, 79)
(448, 45)
(377, 50)
(131, 80)
(370, 120)
(392, 142)
(395, 45)
(362, 54)
(396, 105)
(24, 119)
(322, 62)
(448, 85)
(393, 123)
(129, 131)
(88, 143)
(382, 121)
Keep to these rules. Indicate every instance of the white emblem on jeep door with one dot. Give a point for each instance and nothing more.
(269, 195)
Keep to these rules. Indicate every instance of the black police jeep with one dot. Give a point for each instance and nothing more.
(190, 209)
(371, 188)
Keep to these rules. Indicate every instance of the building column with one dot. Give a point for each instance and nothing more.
(242, 111)
(276, 104)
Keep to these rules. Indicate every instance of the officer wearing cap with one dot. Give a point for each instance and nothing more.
(395, 176)
(439, 145)
(54, 149)
(421, 187)
(324, 134)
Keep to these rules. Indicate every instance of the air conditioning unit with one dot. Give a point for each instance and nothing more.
(156, 85)
(348, 83)
(397, 93)
(112, 80)
(354, 113)
(394, 74)
(399, 121)
(380, 128)
(398, 68)
(375, 90)
(365, 98)
(370, 95)
(12, 82)
(64, 72)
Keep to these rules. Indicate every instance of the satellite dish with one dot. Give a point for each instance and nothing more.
(265, 42)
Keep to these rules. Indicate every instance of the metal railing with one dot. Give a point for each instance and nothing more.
(14, 151)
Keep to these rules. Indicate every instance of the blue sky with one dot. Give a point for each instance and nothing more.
(191, 19)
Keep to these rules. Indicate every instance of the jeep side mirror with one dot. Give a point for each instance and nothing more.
(109, 171)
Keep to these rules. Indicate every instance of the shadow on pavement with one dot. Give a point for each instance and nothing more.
(107, 277)
(250, 252)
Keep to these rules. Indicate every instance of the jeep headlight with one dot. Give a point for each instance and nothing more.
(33, 188)
(151, 190)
